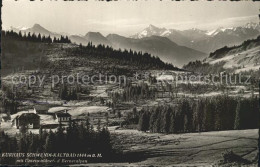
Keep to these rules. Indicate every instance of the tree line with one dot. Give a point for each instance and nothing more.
(209, 114)
(121, 57)
(9, 102)
(134, 93)
(32, 37)
(224, 50)
(73, 139)
(66, 93)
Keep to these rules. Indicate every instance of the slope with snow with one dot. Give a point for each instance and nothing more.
(244, 57)
(150, 31)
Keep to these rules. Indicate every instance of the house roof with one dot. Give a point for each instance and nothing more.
(28, 116)
(41, 107)
(60, 114)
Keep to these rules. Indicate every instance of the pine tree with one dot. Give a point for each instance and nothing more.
(22, 145)
(237, 123)
(50, 143)
(23, 129)
(60, 136)
(172, 124)
(39, 38)
(87, 124)
(99, 125)
(186, 124)
(144, 121)
(167, 120)
(152, 121)
(34, 143)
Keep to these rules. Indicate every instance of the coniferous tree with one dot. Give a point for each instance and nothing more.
(167, 120)
(173, 123)
(144, 121)
(237, 123)
(99, 125)
(50, 143)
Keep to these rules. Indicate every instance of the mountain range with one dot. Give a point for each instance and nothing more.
(167, 50)
(201, 40)
(94, 37)
(173, 46)
(36, 28)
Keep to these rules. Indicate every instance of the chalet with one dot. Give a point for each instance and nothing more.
(63, 116)
(41, 109)
(29, 120)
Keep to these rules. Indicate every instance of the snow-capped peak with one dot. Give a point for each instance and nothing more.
(150, 31)
(220, 29)
(152, 27)
(252, 25)
(211, 33)
(19, 28)
(153, 30)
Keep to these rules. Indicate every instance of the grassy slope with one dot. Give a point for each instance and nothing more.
(193, 149)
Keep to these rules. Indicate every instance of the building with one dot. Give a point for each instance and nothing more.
(41, 109)
(29, 120)
(63, 116)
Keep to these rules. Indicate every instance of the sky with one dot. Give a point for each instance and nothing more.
(126, 17)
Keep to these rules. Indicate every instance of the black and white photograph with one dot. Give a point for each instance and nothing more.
(129, 83)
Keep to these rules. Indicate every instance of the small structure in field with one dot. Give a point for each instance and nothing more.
(41, 109)
(29, 120)
(63, 116)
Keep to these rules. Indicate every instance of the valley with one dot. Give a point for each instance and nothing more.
(154, 116)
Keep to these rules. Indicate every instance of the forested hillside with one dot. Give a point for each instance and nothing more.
(240, 58)
(31, 52)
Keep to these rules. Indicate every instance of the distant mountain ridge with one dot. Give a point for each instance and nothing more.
(167, 50)
(37, 29)
(162, 47)
(95, 37)
(174, 46)
(205, 41)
